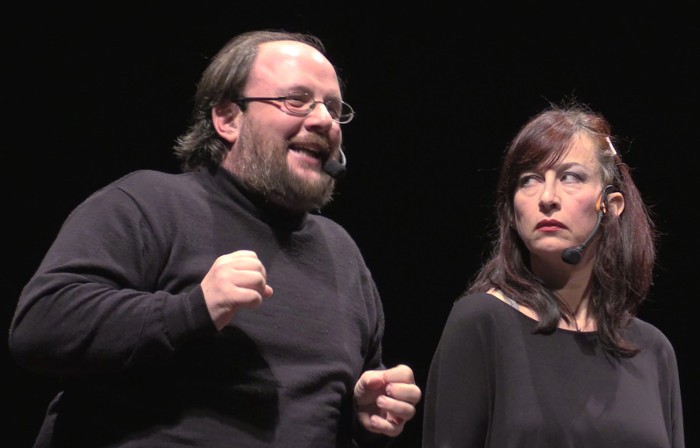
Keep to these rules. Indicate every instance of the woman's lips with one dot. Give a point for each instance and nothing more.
(550, 225)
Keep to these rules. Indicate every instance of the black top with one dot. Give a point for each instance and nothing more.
(116, 309)
(492, 383)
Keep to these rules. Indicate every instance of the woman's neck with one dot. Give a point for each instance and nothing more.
(572, 287)
(573, 293)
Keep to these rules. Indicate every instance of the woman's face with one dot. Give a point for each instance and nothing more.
(555, 207)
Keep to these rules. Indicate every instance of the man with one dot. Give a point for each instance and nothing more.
(155, 303)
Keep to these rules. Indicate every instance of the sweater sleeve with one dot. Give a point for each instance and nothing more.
(678, 432)
(671, 389)
(456, 399)
(92, 305)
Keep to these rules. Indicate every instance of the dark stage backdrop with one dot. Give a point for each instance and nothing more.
(91, 94)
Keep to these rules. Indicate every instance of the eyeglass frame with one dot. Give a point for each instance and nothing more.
(312, 105)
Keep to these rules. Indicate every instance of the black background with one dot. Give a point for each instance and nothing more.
(93, 93)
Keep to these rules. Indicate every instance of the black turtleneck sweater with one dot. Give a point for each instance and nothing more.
(115, 309)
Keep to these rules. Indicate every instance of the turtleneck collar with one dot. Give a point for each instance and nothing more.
(259, 206)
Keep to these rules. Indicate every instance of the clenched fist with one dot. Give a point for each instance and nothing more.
(236, 280)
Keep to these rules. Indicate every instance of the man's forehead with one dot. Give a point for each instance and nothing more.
(285, 64)
(291, 49)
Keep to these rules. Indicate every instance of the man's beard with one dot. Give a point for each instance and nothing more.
(261, 164)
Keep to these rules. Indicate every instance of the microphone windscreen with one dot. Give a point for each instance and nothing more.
(334, 169)
(571, 255)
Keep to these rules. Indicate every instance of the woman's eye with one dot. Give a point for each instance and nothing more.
(571, 177)
(527, 180)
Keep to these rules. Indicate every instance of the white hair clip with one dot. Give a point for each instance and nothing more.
(610, 145)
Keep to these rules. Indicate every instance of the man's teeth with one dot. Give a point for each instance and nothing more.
(307, 151)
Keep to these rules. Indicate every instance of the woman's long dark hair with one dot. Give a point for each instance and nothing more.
(625, 258)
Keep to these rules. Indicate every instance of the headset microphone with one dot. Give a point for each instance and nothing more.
(334, 168)
(572, 255)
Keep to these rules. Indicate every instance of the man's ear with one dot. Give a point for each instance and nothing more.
(616, 203)
(225, 118)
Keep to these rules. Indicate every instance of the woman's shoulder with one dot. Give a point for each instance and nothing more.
(481, 315)
(645, 334)
(477, 305)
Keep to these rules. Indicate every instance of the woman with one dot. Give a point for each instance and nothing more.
(544, 349)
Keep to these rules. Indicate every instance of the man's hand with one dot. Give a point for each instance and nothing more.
(236, 280)
(386, 399)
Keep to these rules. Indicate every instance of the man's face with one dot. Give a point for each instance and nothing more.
(281, 155)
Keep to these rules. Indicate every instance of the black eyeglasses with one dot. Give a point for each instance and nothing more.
(301, 104)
